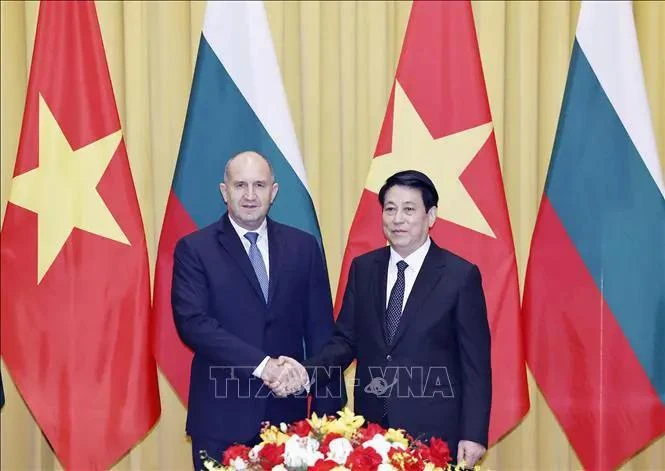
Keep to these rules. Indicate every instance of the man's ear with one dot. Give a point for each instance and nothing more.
(431, 215)
(273, 192)
(224, 191)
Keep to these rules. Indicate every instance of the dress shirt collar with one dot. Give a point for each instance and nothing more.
(262, 230)
(415, 259)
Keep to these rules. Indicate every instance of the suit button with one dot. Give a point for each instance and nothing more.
(389, 358)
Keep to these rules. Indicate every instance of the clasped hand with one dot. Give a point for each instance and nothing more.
(284, 376)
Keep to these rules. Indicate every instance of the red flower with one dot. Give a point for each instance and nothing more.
(439, 452)
(406, 460)
(422, 451)
(271, 455)
(363, 459)
(235, 451)
(368, 432)
(324, 447)
(413, 463)
(322, 465)
(301, 428)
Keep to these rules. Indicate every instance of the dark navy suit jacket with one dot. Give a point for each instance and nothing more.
(221, 314)
(436, 374)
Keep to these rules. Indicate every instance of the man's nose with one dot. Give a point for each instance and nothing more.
(398, 218)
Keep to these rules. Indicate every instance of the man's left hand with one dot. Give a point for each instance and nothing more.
(469, 452)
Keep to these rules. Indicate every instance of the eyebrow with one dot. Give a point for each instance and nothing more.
(404, 202)
(240, 180)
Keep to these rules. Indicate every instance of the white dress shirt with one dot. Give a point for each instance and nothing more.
(415, 261)
(262, 245)
(261, 241)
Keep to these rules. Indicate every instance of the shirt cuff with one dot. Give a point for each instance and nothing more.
(258, 371)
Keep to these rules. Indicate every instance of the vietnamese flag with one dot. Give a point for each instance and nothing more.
(438, 121)
(76, 284)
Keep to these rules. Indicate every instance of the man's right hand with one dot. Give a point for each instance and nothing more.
(284, 376)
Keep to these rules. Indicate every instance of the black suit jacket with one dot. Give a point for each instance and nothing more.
(436, 374)
(221, 314)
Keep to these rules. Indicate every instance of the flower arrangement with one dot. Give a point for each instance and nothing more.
(334, 444)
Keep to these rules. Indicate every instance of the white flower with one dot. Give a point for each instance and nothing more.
(283, 427)
(386, 467)
(382, 446)
(340, 449)
(279, 467)
(301, 451)
(254, 452)
(239, 464)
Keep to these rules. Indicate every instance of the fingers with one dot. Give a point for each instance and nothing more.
(300, 376)
(469, 453)
(271, 371)
(278, 389)
(299, 371)
(286, 376)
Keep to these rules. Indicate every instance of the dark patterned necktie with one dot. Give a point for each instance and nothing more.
(257, 263)
(394, 310)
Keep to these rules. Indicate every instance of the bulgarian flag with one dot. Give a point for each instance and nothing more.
(594, 298)
(237, 103)
(438, 121)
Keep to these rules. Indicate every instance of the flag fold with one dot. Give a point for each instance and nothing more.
(594, 304)
(76, 282)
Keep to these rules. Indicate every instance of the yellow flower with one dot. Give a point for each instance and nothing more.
(345, 425)
(349, 418)
(336, 426)
(273, 435)
(397, 460)
(318, 423)
(461, 466)
(396, 436)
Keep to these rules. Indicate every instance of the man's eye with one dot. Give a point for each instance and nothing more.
(409, 210)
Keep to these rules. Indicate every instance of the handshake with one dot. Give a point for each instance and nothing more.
(285, 376)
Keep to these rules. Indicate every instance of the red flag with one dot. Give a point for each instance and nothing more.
(75, 284)
(438, 121)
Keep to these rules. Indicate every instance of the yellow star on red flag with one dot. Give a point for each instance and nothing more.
(443, 160)
(62, 190)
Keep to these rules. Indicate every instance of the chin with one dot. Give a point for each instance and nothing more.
(398, 246)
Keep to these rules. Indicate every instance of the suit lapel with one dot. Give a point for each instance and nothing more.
(428, 276)
(276, 255)
(380, 283)
(229, 239)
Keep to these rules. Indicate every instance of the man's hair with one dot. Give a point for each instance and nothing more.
(412, 179)
(228, 162)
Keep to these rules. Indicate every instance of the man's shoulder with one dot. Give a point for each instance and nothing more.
(200, 236)
(291, 233)
(376, 255)
(453, 260)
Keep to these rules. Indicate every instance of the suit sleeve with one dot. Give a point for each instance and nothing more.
(340, 350)
(327, 398)
(474, 344)
(198, 330)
